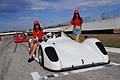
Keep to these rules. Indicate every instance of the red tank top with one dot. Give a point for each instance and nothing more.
(38, 33)
(77, 22)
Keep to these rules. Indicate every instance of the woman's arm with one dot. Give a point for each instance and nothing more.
(70, 25)
(67, 27)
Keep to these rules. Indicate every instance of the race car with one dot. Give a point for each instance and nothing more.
(22, 37)
(61, 53)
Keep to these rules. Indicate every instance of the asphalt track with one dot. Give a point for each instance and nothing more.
(14, 66)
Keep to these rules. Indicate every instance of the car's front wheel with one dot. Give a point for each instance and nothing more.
(40, 56)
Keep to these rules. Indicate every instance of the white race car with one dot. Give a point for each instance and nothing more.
(60, 53)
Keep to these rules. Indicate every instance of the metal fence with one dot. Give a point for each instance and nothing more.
(106, 15)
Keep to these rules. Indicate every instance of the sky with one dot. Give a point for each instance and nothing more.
(20, 14)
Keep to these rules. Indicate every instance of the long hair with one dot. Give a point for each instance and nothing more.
(74, 17)
(39, 28)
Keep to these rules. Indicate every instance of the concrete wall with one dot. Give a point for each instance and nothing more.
(96, 25)
(102, 24)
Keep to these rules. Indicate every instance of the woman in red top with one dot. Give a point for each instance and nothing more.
(37, 34)
(76, 22)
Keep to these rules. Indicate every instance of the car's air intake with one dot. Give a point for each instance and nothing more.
(101, 47)
(51, 53)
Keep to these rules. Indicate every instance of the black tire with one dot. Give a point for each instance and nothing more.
(40, 53)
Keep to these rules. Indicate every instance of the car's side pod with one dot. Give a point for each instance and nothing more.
(101, 47)
(95, 43)
(51, 53)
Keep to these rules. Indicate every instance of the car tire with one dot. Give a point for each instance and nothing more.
(40, 53)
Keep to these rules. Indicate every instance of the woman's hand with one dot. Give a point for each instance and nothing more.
(65, 28)
(37, 38)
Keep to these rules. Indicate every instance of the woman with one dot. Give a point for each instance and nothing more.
(76, 22)
(37, 34)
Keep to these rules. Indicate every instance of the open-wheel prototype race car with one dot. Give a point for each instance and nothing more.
(60, 53)
(22, 37)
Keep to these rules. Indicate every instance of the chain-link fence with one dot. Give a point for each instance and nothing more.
(106, 15)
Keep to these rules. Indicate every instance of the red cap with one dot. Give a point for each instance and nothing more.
(36, 22)
(76, 11)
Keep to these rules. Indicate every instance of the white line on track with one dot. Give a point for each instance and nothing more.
(56, 75)
(116, 64)
(86, 69)
(65, 73)
(36, 75)
(94, 68)
(112, 49)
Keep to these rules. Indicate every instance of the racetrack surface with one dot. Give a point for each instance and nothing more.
(14, 66)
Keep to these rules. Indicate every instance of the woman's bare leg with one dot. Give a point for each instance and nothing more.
(77, 38)
(31, 45)
(34, 49)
